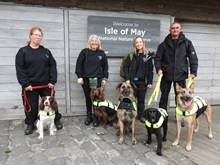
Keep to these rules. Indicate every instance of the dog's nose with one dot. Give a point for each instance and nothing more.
(187, 98)
(46, 103)
(126, 92)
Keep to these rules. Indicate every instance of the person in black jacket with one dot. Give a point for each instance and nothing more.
(92, 71)
(173, 58)
(139, 70)
(35, 66)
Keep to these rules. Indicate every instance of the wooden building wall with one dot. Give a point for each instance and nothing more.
(65, 34)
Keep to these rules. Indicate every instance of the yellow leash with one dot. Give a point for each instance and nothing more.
(156, 91)
(191, 80)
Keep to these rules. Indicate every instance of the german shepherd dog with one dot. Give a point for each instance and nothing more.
(126, 112)
(155, 119)
(189, 108)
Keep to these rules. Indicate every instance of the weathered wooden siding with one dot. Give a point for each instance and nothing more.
(15, 22)
(65, 34)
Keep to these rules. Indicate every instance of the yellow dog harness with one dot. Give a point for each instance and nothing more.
(45, 113)
(163, 115)
(200, 105)
(105, 103)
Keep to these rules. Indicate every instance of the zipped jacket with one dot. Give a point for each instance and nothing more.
(174, 61)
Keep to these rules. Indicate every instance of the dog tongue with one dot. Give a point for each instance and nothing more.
(187, 103)
(46, 107)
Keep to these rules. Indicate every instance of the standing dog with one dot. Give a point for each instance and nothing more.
(155, 119)
(104, 110)
(127, 110)
(48, 106)
(189, 108)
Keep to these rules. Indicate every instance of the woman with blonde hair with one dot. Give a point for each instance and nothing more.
(138, 68)
(92, 71)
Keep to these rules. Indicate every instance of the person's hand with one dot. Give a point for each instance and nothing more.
(50, 85)
(104, 82)
(149, 85)
(29, 88)
(80, 81)
(192, 76)
(160, 72)
(128, 82)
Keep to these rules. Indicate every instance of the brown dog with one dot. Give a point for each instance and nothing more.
(104, 110)
(127, 111)
(189, 108)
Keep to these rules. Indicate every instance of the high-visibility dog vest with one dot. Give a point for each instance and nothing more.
(163, 115)
(105, 103)
(45, 113)
(199, 107)
(127, 104)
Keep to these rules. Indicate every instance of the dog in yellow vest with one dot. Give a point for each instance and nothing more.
(189, 108)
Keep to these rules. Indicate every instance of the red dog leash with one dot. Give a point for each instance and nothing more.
(26, 102)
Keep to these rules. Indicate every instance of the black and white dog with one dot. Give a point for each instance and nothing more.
(48, 106)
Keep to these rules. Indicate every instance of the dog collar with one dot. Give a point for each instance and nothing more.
(163, 113)
(199, 104)
(44, 113)
(105, 103)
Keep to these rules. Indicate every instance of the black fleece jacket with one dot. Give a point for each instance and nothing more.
(140, 66)
(35, 66)
(174, 58)
(92, 64)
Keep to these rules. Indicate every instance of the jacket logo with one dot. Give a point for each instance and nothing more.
(100, 57)
(47, 55)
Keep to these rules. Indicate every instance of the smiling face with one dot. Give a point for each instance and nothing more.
(175, 30)
(139, 44)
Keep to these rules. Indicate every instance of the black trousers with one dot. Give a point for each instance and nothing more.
(86, 90)
(140, 93)
(33, 99)
(165, 87)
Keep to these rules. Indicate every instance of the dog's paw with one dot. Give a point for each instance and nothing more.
(159, 153)
(210, 136)
(175, 143)
(40, 137)
(188, 147)
(121, 141)
(134, 141)
(148, 141)
(52, 133)
(54, 129)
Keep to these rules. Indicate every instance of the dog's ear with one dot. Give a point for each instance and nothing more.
(92, 94)
(178, 88)
(119, 85)
(41, 106)
(54, 104)
(101, 94)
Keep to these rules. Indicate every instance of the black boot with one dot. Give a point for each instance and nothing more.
(95, 121)
(88, 118)
(29, 129)
(58, 125)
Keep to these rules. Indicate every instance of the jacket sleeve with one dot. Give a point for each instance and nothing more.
(126, 67)
(21, 72)
(105, 66)
(193, 59)
(79, 64)
(53, 68)
(150, 69)
(159, 57)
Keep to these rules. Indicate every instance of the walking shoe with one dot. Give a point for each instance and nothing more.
(58, 125)
(88, 120)
(29, 129)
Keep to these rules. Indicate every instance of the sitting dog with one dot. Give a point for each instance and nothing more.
(48, 106)
(155, 119)
(189, 108)
(104, 109)
(127, 110)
